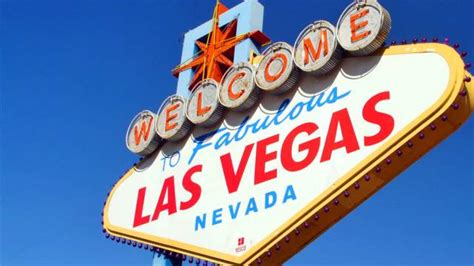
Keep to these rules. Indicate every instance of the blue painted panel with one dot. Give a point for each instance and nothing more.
(249, 15)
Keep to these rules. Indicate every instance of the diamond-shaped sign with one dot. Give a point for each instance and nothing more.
(262, 183)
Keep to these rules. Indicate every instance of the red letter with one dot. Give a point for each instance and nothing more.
(169, 117)
(191, 187)
(312, 146)
(385, 121)
(262, 157)
(357, 26)
(234, 96)
(349, 139)
(269, 77)
(232, 179)
(144, 130)
(167, 189)
(309, 47)
(139, 218)
(201, 110)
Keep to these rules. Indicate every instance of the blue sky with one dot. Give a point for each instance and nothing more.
(73, 75)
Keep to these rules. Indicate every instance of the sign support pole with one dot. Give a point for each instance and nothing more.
(165, 260)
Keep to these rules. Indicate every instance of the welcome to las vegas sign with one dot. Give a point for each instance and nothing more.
(251, 168)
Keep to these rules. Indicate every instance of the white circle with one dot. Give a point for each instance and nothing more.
(314, 32)
(278, 61)
(173, 105)
(243, 84)
(141, 137)
(374, 19)
(207, 92)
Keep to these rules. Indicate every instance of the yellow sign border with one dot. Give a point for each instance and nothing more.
(257, 252)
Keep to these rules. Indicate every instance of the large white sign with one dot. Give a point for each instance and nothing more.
(224, 191)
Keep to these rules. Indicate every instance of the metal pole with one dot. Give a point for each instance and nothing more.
(164, 260)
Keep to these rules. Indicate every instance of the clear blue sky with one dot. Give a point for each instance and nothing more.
(74, 73)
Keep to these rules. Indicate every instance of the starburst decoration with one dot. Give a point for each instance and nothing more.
(216, 54)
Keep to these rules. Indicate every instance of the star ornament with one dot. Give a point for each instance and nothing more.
(216, 54)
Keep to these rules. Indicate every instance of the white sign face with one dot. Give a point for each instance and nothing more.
(226, 191)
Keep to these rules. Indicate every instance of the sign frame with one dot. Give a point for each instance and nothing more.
(367, 177)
